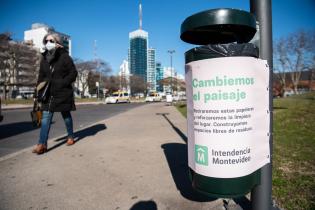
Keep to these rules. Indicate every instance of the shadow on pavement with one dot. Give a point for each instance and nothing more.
(178, 131)
(144, 205)
(243, 202)
(177, 158)
(13, 129)
(79, 135)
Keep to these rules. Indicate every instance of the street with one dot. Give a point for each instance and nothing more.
(17, 131)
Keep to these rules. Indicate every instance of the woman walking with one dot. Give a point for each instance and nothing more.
(57, 68)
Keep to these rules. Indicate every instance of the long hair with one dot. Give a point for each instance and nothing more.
(56, 37)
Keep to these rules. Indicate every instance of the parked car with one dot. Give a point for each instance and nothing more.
(118, 97)
(1, 117)
(153, 97)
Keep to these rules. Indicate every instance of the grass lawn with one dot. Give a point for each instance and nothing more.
(293, 151)
(17, 101)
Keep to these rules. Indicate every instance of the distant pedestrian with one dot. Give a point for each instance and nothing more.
(58, 69)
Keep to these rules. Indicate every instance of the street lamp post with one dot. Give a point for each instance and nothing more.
(99, 84)
(171, 55)
(261, 195)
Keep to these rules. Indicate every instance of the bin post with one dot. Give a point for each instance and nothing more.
(261, 195)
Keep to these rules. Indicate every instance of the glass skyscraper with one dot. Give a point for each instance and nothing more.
(142, 58)
(159, 76)
(138, 53)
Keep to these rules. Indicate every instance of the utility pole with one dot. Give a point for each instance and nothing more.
(261, 195)
(171, 56)
(97, 66)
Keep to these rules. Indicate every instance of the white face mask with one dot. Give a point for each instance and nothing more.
(50, 46)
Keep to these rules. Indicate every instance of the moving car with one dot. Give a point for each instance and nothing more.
(153, 97)
(118, 97)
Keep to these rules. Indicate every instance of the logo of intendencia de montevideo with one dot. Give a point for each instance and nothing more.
(201, 155)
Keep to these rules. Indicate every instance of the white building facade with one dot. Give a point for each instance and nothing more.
(151, 73)
(124, 76)
(36, 34)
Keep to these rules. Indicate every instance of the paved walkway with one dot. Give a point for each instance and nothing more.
(136, 160)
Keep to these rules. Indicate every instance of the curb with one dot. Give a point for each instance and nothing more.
(14, 107)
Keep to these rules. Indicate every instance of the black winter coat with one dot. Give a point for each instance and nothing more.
(61, 91)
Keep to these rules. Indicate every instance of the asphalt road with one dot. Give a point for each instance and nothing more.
(17, 132)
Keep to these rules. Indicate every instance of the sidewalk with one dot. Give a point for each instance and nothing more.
(30, 106)
(136, 160)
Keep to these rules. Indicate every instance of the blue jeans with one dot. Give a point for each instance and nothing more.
(46, 122)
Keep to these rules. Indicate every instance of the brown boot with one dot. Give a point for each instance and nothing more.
(35, 149)
(40, 149)
(70, 141)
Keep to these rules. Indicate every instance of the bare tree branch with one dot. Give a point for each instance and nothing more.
(293, 54)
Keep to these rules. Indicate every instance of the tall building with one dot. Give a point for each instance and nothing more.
(151, 78)
(159, 76)
(124, 76)
(36, 34)
(138, 53)
(141, 59)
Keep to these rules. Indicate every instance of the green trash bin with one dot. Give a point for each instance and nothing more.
(223, 33)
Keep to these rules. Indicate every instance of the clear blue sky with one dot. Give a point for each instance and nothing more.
(110, 21)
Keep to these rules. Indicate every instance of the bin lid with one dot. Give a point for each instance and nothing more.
(218, 26)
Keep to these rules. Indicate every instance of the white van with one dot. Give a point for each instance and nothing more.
(153, 97)
(118, 97)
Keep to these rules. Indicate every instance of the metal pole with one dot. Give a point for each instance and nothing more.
(172, 73)
(261, 195)
(99, 85)
(171, 54)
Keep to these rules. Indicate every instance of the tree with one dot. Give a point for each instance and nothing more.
(123, 82)
(137, 85)
(112, 83)
(26, 64)
(294, 54)
(83, 68)
(174, 83)
(91, 80)
(5, 73)
(19, 64)
(280, 65)
(90, 72)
